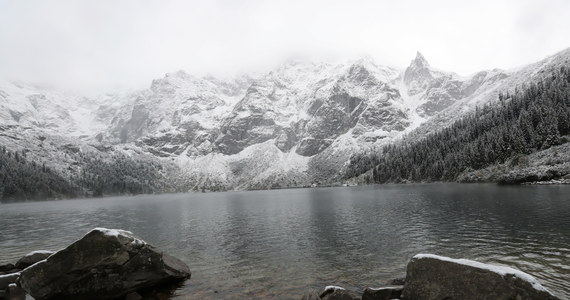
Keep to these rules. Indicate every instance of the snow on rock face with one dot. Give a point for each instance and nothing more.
(484, 87)
(310, 105)
(53, 111)
(418, 75)
(313, 113)
(180, 104)
(435, 89)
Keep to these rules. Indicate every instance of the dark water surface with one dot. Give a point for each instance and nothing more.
(280, 244)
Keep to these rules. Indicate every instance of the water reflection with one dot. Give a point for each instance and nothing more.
(278, 244)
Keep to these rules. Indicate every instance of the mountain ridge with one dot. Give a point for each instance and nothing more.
(296, 125)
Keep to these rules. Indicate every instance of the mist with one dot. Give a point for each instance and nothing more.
(96, 46)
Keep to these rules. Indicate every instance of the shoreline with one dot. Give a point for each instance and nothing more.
(46, 275)
(553, 182)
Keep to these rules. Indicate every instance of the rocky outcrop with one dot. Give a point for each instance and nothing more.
(32, 258)
(418, 75)
(104, 264)
(431, 277)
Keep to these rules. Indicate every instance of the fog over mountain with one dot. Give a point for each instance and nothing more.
(102, 46)
(255, 95)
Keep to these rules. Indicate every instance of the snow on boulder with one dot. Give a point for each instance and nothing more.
(32, 258)
(104, 264)
(432, 277)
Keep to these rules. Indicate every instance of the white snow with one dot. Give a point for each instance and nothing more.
(9, 275)
(39, 252)
(391, 287)
(333, 288)
(501, 270)
(112, 232)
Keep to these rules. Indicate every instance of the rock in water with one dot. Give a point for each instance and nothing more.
(383, 293)
(104, 264)
(6, 280)
(337, 293)
(32, 258)
(432, 277)
(6, 267)
(15, 292)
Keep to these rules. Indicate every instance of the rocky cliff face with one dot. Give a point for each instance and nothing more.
(295, 125)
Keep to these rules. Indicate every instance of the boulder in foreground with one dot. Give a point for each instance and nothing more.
(432, 277)
(104, 264)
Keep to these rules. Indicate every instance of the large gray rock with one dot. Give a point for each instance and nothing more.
(383, 293)
(32, 258)
(431, 277)
(104, 264)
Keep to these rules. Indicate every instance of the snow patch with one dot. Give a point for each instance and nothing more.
(112, 232)
(390, 287)
(39, 252)
(332, 288)
(9, 275)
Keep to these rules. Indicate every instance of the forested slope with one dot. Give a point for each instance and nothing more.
(533, 118)
(23, 178)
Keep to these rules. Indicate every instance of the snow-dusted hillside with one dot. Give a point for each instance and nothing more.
(295, 125)
(488, 85)
(54, 111)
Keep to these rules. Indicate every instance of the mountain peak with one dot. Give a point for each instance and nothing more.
(420, 60)
(418, 75)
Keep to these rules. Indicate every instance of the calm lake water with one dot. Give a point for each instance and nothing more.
(280, 244)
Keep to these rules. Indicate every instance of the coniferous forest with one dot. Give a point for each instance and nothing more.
(21, 178)
(24, 179)
(531, 119)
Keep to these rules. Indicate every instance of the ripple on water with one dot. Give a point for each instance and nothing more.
(281, 244)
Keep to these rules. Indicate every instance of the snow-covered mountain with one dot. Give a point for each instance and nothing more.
(295, 125)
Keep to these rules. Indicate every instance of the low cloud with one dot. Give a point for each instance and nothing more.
(106, 44)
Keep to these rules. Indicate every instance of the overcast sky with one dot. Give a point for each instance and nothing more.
(101, 45)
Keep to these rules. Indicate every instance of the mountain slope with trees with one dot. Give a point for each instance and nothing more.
(533, 118)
